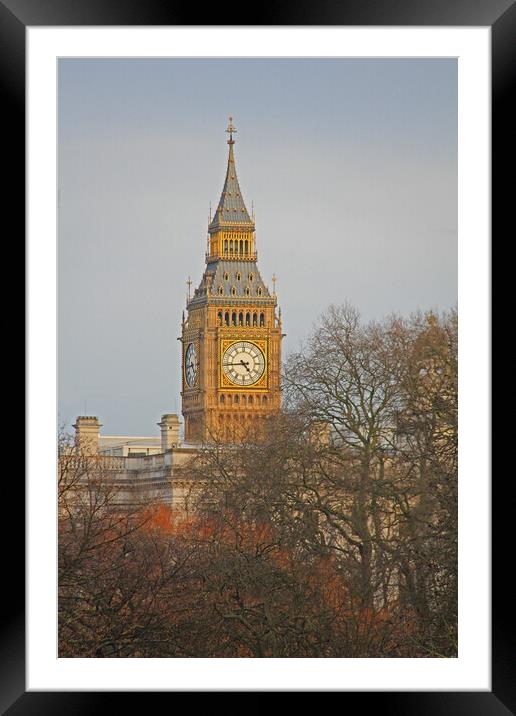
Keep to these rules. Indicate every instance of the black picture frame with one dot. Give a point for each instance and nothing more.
(500, 16)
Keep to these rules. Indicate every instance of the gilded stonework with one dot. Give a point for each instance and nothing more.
(226, 344)
(232, 334)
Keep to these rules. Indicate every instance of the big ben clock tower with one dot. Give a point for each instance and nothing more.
(231, 336)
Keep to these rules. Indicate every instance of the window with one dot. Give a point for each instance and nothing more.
(226, 276)
(259, 291)
(238, 276)
(221, 290)
(262, 319)
(251, 276)
(233, 291)
(248, 291)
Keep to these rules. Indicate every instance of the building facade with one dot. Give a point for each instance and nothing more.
(140, 470)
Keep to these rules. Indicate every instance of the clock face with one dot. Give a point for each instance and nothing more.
(191, 365)
(243, 363)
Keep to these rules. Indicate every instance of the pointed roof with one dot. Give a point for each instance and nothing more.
(223, 277)
(231, 209)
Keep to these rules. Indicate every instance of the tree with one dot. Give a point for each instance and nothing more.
(427, 457)
(118, 572)
(342, 488)
(330, 533)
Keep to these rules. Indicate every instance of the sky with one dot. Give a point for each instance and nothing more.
(352, 168)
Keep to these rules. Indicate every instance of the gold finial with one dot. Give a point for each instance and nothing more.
(274, 279)
(189, 284)
(231, 130)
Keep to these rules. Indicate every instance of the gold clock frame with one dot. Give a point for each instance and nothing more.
(263, 383)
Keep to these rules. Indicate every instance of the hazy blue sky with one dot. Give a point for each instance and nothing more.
(352, 167)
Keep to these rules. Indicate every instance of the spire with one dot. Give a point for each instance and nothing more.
(231, 209)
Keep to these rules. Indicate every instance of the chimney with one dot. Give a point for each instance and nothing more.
(87, 430)
(169, 431)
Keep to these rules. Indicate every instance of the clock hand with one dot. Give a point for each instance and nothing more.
(241, 362)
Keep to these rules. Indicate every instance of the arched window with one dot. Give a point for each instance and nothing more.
(227, 318)
(251, 276)
(262, 319)
(247, 319)
(234, 318)
(221, 290)
(236, 400)
(257, 400)
(238, 276)
(259, 292)
(240, 319)
(231, 246)
(250, 400)
(244, 400)
(248, 291)
(219, 316)
(246, 247)
(233, 291)
(225, 246)
(255, 319)
(241, 247)
(264, 401)
(222, 400)
(226, 276)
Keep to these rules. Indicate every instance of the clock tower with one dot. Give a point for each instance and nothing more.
(231, 335)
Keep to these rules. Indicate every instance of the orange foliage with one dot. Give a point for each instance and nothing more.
(163, 519)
